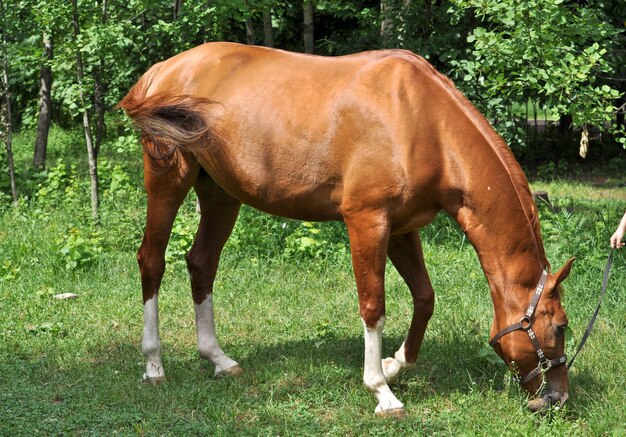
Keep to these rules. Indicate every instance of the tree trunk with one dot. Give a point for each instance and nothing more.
(267, 27)
(91, 152)
(565, 124)
(100, 89)
(308, 34)
(178, 6)
(620, 121)
(393, 29)
(249, 25)
(45, 105)
(5, 120)
(386, 23)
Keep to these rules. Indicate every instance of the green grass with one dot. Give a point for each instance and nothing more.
(288, 313)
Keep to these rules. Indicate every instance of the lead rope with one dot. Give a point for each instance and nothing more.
(605, 282)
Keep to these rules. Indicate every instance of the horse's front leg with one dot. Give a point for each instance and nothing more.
(369, 237)
(218, 215)
(405, 252)
(167, 185)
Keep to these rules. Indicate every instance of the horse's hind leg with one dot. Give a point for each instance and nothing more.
(166, 186)
(405, 252)
(218, 215)
(369, 235)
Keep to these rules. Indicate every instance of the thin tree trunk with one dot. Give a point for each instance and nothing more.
(620, 121)
(267, 27)
(5, 125)
(386, 23)
(565, 123)
(249, 25)
(308, 33)
(91, 152)
(178, 6)
(45, 104)
(393, 29)
(526, 121)
(100, 89)
(535, 117)
(249, 31)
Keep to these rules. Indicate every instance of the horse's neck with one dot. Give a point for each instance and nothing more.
(497, 214)
(484, 189)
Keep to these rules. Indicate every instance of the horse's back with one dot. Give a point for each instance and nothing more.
(307, 136)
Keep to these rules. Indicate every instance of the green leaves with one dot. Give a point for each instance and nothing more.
(181, 240)
(79, 249)
(541, 50)
(487, 353)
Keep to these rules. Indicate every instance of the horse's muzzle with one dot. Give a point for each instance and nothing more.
(551, 398)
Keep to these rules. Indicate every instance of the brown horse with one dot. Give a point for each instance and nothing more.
(379, 140)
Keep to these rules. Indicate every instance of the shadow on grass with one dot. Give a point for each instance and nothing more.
(103, 389)
(439, 370)
(444, 366)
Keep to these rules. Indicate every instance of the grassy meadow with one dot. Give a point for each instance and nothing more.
(286, 309)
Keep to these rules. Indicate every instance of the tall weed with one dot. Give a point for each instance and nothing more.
(79, 248)
(579, 231)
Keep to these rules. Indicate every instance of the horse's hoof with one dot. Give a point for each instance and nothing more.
(236, 370)
(154, 380)
(394, 413)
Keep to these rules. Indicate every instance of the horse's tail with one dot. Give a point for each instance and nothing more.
(167, 120)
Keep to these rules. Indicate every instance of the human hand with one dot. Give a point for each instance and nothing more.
(616, 238)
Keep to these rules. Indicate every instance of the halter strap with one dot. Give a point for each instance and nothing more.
(544, 367)
(525, 324)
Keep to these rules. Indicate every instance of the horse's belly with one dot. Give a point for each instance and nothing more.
(290, 198)
(319, 204)
(414, 221)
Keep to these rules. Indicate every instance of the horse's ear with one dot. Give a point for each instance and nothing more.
(563, 273)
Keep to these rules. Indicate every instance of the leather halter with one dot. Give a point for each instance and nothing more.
(525, 324)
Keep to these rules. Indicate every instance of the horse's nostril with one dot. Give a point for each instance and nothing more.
(556, 398)
(553, 398)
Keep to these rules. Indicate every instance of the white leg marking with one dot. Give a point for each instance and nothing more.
(373, 376)
(151, 343)
(396, 366)
(208, 347)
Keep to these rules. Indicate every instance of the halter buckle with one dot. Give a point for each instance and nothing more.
(526, 323)
(545, 365)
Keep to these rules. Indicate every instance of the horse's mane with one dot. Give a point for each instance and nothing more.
(498, 146)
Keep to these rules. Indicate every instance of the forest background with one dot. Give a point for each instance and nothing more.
(69, 63)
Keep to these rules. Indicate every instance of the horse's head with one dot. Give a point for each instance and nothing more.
(534, 345)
